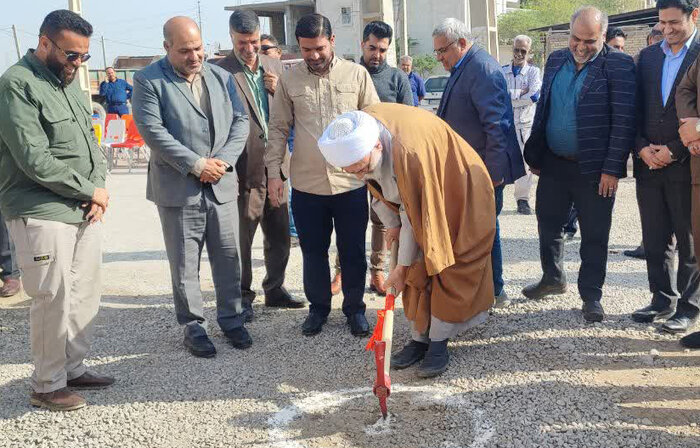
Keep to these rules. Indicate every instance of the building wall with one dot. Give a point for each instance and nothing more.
(424, 15)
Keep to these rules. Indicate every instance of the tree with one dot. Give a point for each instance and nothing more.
(424, 64)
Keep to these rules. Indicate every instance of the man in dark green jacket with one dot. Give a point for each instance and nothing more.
(53, 196)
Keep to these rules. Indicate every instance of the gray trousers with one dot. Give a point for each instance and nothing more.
(60, 265)
(186, 230)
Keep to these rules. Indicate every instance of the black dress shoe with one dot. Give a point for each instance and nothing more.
(198, 343)
(284, 300)
(436, 360)
(691, 341)
(541, 290)
(636, 253)
(652, 313)
(248, 314)
(524, 207)
(678, 324)
(239, 338)
(358, 325)
(412, 352)
(593, 311)
(313, 324)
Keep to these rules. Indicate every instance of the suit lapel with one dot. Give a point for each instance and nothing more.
(594, 70)
(688, 59)
(656, 69)
(181, 84)
(549, 75)
(212, 85)
(242, 82)
(453, 79)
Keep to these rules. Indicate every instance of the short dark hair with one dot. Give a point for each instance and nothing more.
(110, 68)
(244, 21)
(269, 37)
(380, 30)
(64, 20)
(613, 33)
(313, 25)
(687, 6)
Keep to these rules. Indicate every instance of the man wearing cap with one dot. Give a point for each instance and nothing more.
(411, 161)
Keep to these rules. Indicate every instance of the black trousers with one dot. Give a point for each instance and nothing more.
(315, 217)
(665, 209)
(561, 185)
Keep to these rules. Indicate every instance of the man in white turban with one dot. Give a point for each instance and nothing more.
(435, 196)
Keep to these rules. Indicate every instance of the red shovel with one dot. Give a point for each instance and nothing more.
(380, 342)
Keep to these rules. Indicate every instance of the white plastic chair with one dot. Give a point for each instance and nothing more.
(116, 133)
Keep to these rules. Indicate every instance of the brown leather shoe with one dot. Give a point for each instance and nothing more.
(377, 283)
(11, 287)
(91, 380)
(337, 284)
(60, 400)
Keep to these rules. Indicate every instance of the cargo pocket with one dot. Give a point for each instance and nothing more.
(36, 260)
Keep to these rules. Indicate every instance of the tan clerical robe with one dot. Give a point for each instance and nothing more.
(448, 197)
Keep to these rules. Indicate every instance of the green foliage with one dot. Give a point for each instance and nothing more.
(424, 64)
(540, 13)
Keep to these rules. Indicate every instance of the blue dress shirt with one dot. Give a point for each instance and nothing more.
(672, 63)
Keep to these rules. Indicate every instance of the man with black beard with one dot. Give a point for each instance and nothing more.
(53, 197)
(309, 96)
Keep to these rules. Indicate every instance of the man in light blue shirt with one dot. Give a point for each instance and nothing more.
(672, 64)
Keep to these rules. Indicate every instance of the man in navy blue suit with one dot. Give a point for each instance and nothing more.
(583, 131)
(477, 105)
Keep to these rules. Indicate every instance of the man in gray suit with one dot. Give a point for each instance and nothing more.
(189, 114)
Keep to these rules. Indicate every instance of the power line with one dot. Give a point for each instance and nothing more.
(132, 45)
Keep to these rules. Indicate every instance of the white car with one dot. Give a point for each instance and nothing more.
(434, 86)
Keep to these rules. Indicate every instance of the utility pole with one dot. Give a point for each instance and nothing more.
(404, 28)
(14, 33)
(104, 52)
(83, 73)
(199, 17)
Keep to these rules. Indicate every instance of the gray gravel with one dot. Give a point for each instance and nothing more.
(534, 376)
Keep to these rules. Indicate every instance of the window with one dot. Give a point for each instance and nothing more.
(346, 16)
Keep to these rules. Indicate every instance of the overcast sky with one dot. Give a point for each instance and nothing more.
(130, 27)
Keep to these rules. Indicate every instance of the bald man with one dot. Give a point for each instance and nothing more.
(191, 117)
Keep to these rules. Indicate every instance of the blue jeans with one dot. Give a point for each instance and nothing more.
(571, 222)
(496, 254)
(8, 261)
(292, 227)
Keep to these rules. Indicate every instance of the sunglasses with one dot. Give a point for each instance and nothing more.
(71, 56)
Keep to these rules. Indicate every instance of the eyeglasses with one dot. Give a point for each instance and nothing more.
(268, 47)
(441, 51)
(71, 56)
(519, 51)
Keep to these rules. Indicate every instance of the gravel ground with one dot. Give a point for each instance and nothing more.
(534, 376)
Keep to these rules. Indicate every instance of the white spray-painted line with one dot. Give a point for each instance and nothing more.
(315, 402)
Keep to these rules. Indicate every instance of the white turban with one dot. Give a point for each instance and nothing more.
(349, 138)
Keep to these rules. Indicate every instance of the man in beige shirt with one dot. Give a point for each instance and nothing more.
(309, 96)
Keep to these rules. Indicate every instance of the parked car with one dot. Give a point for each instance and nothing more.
(434, 86)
